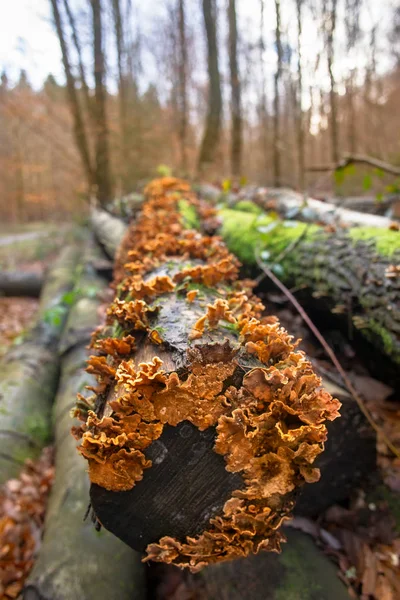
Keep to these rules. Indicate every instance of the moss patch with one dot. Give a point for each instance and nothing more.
(386, 241)
(190, 218)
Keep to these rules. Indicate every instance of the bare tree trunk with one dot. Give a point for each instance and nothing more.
(351, 115)
(103, 175)
(79, 127)
(300, 124)
(213, 123)
(236, 135)
(182, 76)
(122, 92)
(263, 96)
(277, 79)
(330, 28)
(75, 37)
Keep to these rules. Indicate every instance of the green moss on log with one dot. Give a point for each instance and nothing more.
(354, 270)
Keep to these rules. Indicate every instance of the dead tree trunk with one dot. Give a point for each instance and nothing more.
(299, 95)
(103, 171)
(354, 271)
(211, 135)
(74, 560)
(236, 109)
(30, 373)
(188, 376)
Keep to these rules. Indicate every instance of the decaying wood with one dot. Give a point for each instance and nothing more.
(206, 418)
(75, 560)
(20, 283)
(29, 373)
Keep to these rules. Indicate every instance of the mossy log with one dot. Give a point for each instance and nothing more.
(76, 561)
(353, 271)
(288, 203)
(206, 418)
(350, 435)
(29, 372)
(20, 283)
(300, 572)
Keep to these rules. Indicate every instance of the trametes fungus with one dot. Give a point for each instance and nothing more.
(215, 362)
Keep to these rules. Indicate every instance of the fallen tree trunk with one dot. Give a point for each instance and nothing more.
(301, 572)
(109, 230)
(205, 423)
(291, 204)
(75, 561)
(20, 283)
(30, 373)
(354, 271)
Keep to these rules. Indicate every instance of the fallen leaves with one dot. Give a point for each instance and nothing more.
(22, 511)
(15, 315)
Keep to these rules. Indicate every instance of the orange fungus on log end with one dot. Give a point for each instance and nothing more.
(251, 383)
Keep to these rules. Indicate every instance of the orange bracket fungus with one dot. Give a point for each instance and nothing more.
(206, 418)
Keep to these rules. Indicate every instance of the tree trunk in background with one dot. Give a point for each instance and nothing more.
(213, 123)
(79, 127)
(277, 80)
(182, 78)
(236, 132)
(119, 38)
(300, 125)
(103, 173)
(351, 115)
(75, 37)
(264, 121)
(330, 17)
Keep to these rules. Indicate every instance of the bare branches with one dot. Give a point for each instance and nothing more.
(351, 159)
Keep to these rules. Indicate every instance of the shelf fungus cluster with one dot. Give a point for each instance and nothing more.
(186, 341)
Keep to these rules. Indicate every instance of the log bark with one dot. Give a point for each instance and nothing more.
(108, 230)
(75, 560)
(353, 271)
(301, 572)
(291, 204)
(30, 373)
(20, 283)
(171, 470)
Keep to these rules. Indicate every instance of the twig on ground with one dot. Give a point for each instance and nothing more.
(330, 353)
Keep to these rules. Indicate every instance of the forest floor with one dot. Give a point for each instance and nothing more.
(362, 536)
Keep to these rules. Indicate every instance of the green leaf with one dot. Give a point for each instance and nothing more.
(339, 176)
(69, 297)
(226, 185)
(379, 173)
(164, 171)
(367, 182)
(243, 181)
(379, 197)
